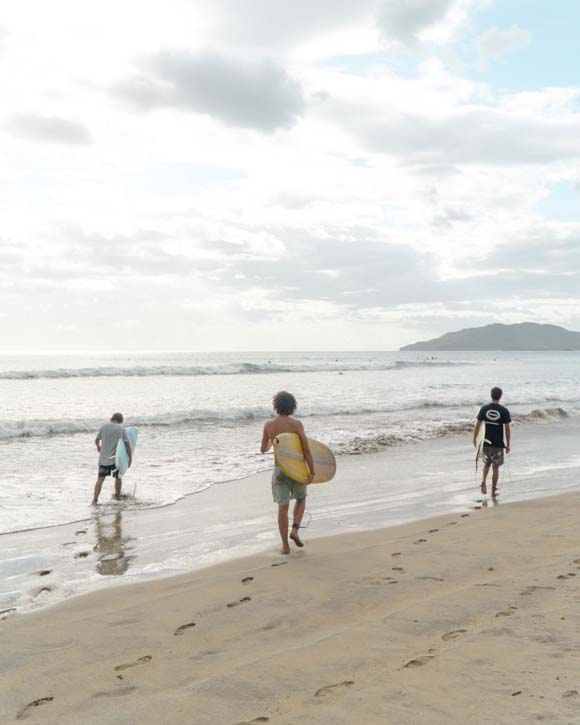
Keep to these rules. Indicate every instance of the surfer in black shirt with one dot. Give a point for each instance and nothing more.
(496, 418)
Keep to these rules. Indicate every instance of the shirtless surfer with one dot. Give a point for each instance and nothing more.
(283, 487)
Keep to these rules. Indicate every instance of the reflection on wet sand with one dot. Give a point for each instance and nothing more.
(111, 546)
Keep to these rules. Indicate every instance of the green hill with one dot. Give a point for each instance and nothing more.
(523, 336)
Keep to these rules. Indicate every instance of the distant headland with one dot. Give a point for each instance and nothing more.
(523, 336)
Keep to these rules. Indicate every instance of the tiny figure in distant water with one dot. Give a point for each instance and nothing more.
(283, 487)
(496, 419)
(106, 441)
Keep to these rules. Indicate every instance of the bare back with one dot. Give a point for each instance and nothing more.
(283, 424)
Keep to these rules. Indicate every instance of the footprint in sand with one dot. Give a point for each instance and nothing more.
(451, 523)
(378, 580)
(279, 563)
(532, 588)
(79, 533)
(82, 554)
(184, 627)
(116, 693)
(324, 691)
(507, 612)
(255, 720)
(44, 572)
(240, 601)
(420, 541)
(431, 578)
(418, 661)
(247, 579)
(41, 591)
(200, 656)
(433, 531)
(24, 713)
(398, 568)
(140, 661)
(397, 553)
(571, 694)
(453, 635)
(464, 516)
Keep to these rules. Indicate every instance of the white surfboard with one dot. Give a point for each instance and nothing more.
(480, 435)
(121, 457)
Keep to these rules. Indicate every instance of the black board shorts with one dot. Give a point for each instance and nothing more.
(105, 471)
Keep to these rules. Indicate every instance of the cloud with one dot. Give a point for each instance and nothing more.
(240, 92)
(547, 251)
(475, 135)
(277, 23)
(496, 42)
(403, 20)
(50, 129)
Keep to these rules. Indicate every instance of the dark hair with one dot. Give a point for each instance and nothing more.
(496, 393)
(117, 418)
(284, 403)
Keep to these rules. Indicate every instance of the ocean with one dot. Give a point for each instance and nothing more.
(201, 415)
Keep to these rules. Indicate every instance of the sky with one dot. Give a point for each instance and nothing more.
(273, 175)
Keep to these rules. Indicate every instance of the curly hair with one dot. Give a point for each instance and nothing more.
(284, 403)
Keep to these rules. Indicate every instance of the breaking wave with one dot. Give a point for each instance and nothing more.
(423, 428)
(243, 368)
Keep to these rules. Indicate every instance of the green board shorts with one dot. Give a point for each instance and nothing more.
(284, 488)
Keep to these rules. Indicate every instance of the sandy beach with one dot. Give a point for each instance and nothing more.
(460, 618)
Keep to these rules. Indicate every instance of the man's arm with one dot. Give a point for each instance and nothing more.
(266, 441)
(98, 441)
(508, 437)
(306, 450)
(475, 432)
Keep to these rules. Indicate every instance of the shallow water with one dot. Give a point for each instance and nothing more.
(201, 415)
(118, 544)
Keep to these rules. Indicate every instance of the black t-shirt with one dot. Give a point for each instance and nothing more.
(494, 416)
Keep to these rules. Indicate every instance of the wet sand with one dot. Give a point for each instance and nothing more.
(117, 545)
(467, 618)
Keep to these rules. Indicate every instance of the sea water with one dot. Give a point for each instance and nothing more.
(201, 415)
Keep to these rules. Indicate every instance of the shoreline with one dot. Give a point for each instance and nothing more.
(453, 619)
(40, 568)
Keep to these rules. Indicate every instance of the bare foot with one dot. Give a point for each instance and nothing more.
(296, 539)
(285, 549)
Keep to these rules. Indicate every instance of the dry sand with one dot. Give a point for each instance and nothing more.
(470, 618)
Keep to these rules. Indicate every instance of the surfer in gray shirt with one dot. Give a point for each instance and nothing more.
(106, 441)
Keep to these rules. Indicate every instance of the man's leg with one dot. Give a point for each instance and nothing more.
(283, 527)
(98, 486)
(494, 480)
(118, 484)
(484, 479)
(299, 508)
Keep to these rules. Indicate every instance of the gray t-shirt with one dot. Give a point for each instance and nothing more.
(109, 435)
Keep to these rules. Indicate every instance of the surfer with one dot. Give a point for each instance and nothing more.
(283, 487)
(496, 418)
(106, 441)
